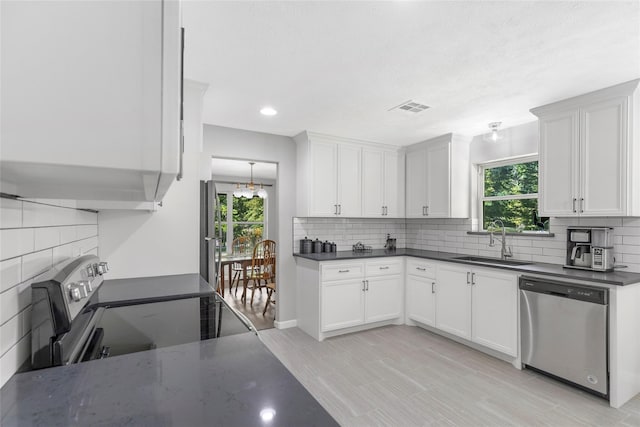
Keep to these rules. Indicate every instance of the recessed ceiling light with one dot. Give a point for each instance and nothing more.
(268, 111)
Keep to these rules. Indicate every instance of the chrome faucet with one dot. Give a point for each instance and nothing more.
(505, 252)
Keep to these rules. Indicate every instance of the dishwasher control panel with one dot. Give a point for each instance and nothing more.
(566, 290)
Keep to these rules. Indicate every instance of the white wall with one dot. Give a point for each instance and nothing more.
(517, 141)
(242, 144)
(140, 243)
(33, 237)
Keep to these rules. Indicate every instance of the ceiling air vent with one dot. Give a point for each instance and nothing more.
(410, 107)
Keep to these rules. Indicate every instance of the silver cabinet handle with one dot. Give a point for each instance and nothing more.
(421, 268)
(363, 286)
(343, 271)
(367, 284)
(339, 209)
(181, 165)
(423, 211)
(433, 287)
(581, 205)
(383, 211)
(574, 205)
(473, 278)
(468, 281)
(427, 210)
(386, 267)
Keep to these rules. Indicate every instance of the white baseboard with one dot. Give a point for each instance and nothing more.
(286, 324)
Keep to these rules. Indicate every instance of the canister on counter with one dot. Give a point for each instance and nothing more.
(326, 246)
(317, 246)
(306, 245)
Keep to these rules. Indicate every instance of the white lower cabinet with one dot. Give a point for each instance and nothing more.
(359, 293)
(478, 304)
(420, 286)
(383, 298)
(494, 310)
(453, 300)
(342, 304)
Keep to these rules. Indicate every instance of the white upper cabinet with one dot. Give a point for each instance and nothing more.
(381, 183)
(90, 99)
(590, 154)
(437, 178)
(345, 178)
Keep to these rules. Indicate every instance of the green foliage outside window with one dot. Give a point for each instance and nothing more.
(246, 218)
(521, 212)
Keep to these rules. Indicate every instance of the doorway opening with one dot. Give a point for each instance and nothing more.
(245, 222)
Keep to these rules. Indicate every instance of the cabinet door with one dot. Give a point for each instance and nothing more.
(342, 304)
(421, 302)
(324, 172)
(391, 184)
(373, 183)
(453, 300)
(383, 298)
(494, 297)
(603, 146)
(416, 184)
(349, 181)
(559, 162)
(439, 181)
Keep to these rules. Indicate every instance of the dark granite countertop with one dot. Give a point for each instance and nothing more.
(222, 382)
(146, 289)
(618, 278)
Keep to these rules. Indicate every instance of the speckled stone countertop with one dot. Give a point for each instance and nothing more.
(227, 381)
(618, 278)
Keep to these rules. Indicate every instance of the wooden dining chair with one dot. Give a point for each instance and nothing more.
(239, 246)
(262, 270)
(271, 289)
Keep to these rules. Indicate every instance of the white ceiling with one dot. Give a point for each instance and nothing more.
(338, 67)
(242, 170)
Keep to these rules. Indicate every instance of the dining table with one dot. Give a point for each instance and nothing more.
(226, 261)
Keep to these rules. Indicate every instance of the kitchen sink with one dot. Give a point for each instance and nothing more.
(494, 261)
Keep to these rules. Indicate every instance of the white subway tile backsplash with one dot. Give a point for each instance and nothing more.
(10, 332)
(68, 234)
(10, 273)
(35, 263)
(629, 240)
(60, 253)
(450, 235)
(10, 213)
(9, 303)
(84, 231)
(46, 237)
(32, 238)
(39, 215)
(14, 358)
(16, 242)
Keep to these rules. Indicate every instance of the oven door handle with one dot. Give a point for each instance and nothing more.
(79, 350)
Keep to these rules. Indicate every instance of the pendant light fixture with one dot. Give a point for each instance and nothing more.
(250, 189)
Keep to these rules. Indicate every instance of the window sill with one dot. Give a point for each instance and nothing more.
(520, 234)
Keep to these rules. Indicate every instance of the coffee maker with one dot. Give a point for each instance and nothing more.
(590, 248)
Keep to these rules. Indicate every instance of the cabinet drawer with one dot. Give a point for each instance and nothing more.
(421, 268)
(383, 267)
(331, 272)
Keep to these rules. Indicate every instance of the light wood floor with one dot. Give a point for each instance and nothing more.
(252, 311)
(406, 376)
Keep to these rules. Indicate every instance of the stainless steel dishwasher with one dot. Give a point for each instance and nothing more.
(564, 332)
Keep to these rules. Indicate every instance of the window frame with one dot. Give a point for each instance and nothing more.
(499, 163)
(230, 222)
